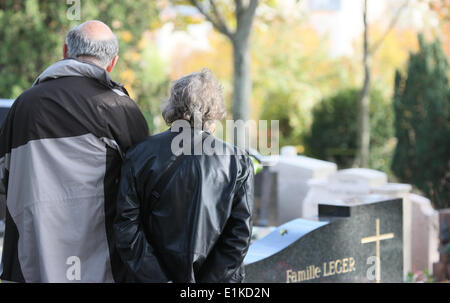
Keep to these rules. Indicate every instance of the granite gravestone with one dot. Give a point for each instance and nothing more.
(265, 198)
(342, 244)
(356, 184)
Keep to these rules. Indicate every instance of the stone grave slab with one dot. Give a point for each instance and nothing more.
(342, 244)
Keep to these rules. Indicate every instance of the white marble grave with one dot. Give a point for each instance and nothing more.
(424, 234)
(294, 173)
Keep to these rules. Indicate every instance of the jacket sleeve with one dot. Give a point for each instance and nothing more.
(224, 263)
(5, 149)
(125, 124)
(133, 247)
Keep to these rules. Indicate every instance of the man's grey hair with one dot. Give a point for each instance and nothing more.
(102, 51)
(197, 98)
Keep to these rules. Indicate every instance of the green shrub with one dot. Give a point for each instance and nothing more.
(333, 134)
(422, 123)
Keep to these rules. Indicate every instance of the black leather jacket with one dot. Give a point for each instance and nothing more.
(200, 228)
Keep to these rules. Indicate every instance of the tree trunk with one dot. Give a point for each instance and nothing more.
(362, 159)
(241, 80)
(364, 119)
(241, 53)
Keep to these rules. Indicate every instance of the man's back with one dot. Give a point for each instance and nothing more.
(60, 157)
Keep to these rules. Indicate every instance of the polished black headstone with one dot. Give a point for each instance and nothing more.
(343, 244)
(266, 198)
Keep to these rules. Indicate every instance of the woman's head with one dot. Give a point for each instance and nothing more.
(197, 98)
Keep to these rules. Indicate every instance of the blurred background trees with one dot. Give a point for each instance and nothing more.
(334, 132)
(32, 33)
(304, 60)
(241, 14)
(369, 49)
(422, 123)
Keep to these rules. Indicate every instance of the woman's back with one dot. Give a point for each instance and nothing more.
(199, 227)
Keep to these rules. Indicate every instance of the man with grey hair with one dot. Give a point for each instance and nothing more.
(94, 42)
(61, 149)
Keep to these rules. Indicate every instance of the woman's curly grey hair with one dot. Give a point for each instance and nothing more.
(197, 98)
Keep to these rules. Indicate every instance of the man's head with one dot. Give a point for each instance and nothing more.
(93, 41)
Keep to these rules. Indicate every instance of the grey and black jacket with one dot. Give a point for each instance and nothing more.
(61, 149)
(199, 229)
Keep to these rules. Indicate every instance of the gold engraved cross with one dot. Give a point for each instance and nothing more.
(377, 238)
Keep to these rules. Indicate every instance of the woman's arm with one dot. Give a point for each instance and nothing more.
(134, 249)
(224, 264)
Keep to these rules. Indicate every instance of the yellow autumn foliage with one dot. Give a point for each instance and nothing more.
(127, 78)
(126, 36)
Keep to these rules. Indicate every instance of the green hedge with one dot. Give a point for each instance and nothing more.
(422, 123)
(333, 134)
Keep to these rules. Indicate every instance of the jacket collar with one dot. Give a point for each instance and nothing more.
(71, 67)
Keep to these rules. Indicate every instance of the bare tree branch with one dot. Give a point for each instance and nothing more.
(364, 101)
(393, 22)
(366, 32)
(245, 20)
(219, 16)
(252, 7)
(239, 7)
(218, 22)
